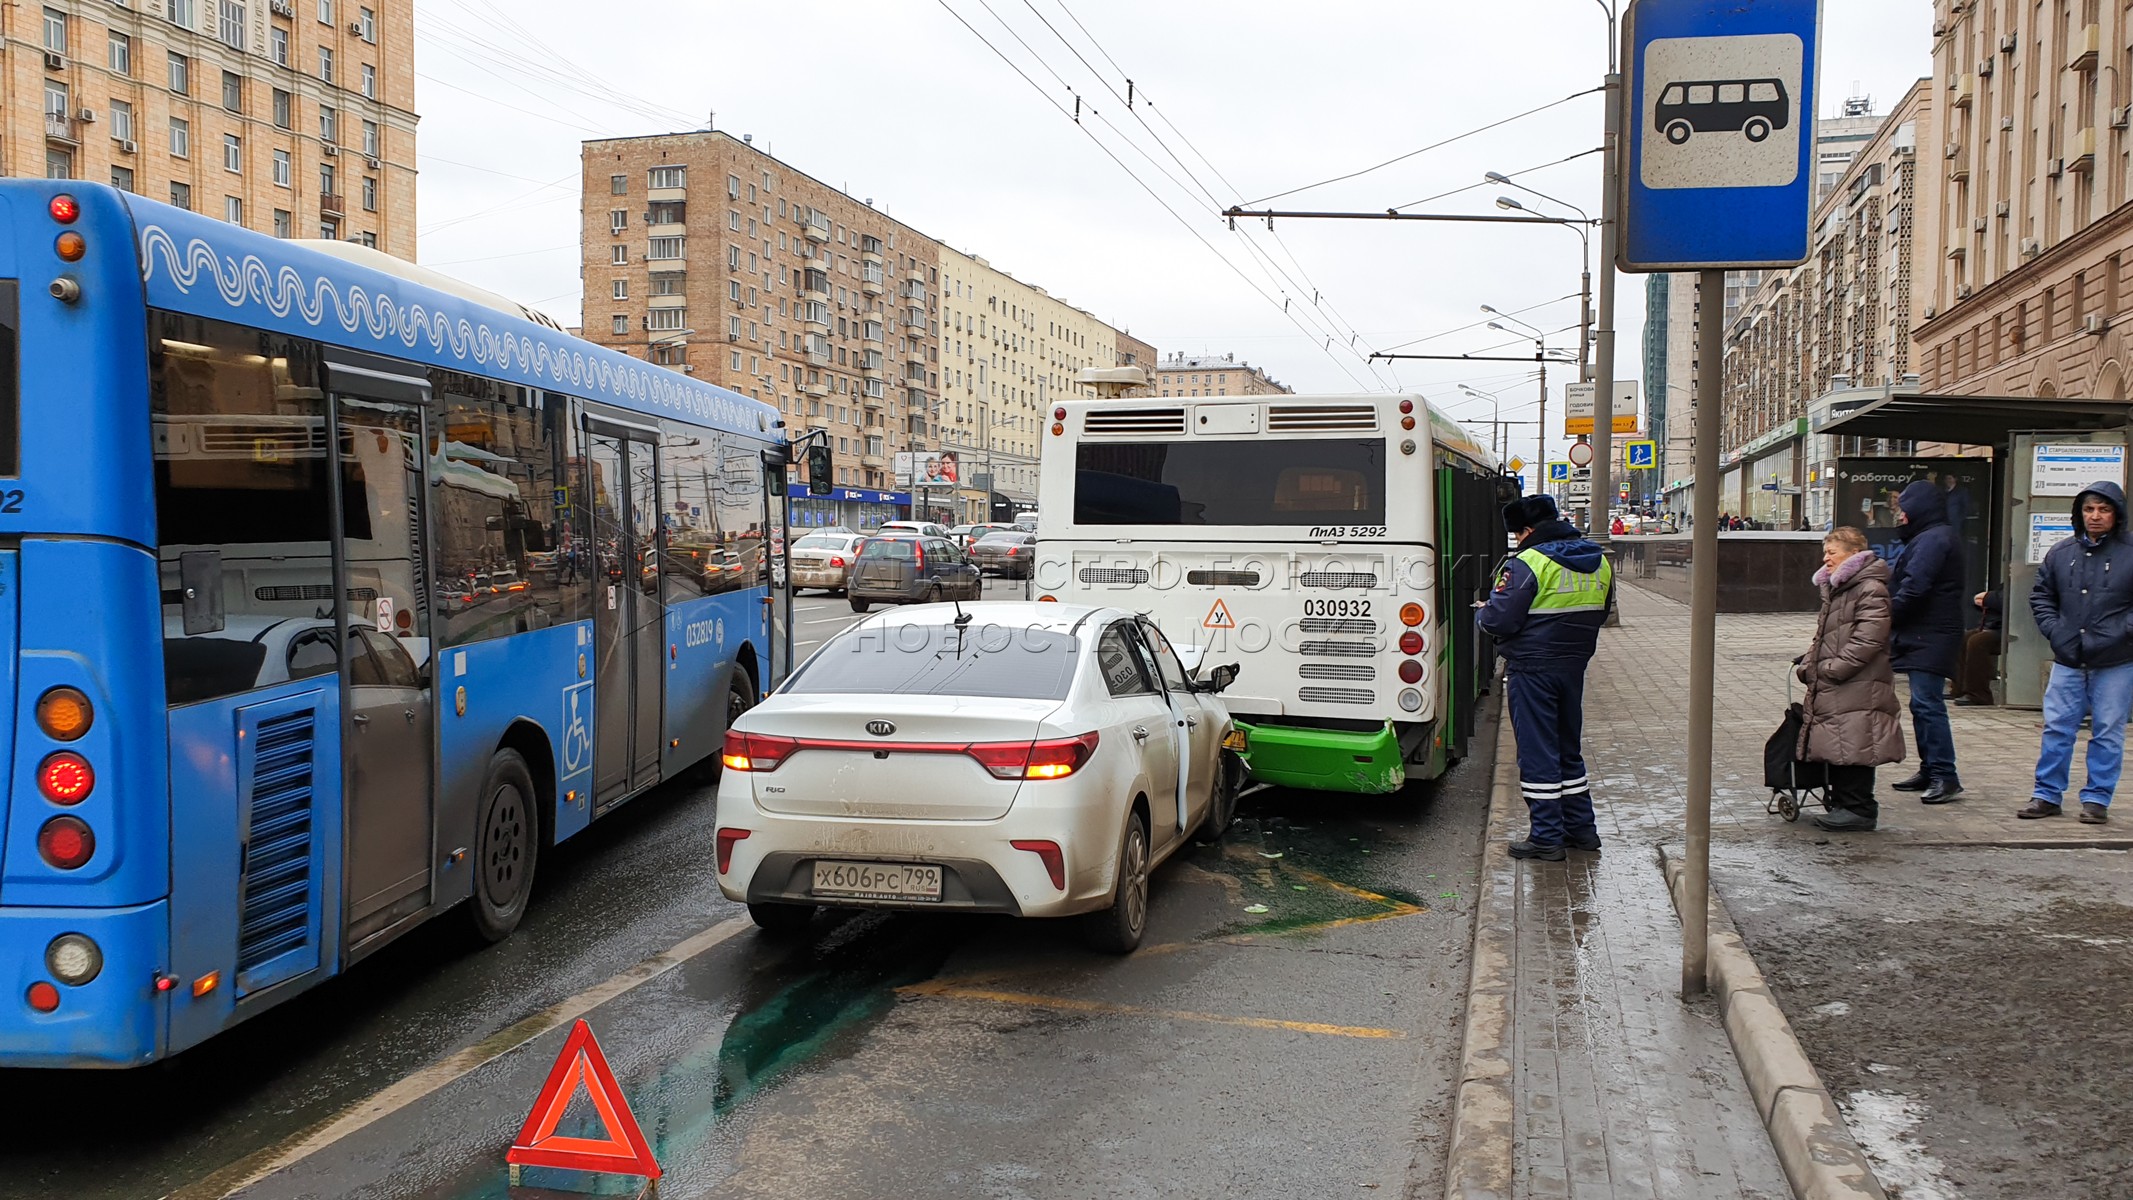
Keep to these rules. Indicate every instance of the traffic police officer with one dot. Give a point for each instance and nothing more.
(1550, 600)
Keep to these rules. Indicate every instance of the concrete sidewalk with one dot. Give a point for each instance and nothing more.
(1586, 1075)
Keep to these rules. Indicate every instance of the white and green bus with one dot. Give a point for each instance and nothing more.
(1331, 546)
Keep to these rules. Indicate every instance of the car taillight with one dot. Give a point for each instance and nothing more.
(755, 752)
(918, 554)
(1054, 759)
(1048, 854)
(66, 842)
(836, 560)
(726, 838)
(65, 777)
(1410, 642)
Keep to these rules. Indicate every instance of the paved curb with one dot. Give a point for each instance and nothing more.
(1478, 1164)
(1819, 1156)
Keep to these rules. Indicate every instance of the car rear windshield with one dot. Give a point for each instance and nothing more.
(820, 541)
(888, 548)
(1006, 535)
(992, 661)
(1287, 482)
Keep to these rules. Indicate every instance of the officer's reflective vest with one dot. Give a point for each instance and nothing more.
(1558, 589)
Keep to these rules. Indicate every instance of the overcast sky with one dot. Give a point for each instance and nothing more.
(898, 101)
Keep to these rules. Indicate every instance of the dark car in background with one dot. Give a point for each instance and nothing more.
(1009, 552)
(912, 570)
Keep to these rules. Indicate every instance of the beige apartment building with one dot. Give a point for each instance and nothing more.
(706, 255)
(291, 117)
(2036, 233)
(1133, 352)
(1213, 375)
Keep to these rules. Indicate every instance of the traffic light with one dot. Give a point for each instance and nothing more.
(821, 469)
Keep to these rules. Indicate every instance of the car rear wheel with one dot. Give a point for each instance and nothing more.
(1118, 929)
(933, 594)
(782, 920)
(859, 605)
(507, 847)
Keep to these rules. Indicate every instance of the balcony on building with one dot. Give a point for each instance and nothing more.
(815, 225)
(915, 318)
(62, 127)
(871, 331)
(875, 392)
(874, 461)
(329, 205)
(870, 247)
(2083, 48)
(815, 284)
(816, 314)
(2081, 148)
(819, 387)
(872, 280)
(818, 350)
(915, 397)
(914, 292)
(871, 364)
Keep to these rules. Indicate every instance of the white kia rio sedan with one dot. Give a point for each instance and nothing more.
(1025, 758)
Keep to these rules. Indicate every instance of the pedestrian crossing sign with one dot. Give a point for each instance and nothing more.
(1559, 472)
(1640, 455)
(1218, 617)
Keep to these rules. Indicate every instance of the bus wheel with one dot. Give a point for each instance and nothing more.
(507, 845)
(1756, 129)
(1222, 808)
(1678, 132)
(740, 697)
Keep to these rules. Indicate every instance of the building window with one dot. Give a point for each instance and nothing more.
(328, 179)
(284, 110)
(622, 289)
(663, 248)
(118, 54)
(329, 123)
(370, 81)
(619, 254)
(370, 194)
(278, 45)
(181, 12)
(122, 178)
(368, 20)
(181, 74)
(330, 230)
(181, 139)
(233, 210)
(181, 194)
(621, 325)
(325, 63)
(55, 31)
(370, 139)
(281, 168)
(669, 177)
(121, 121)
(669, 283)
(233, 91)
(368, 239)
(230, 23)
(618, 185)
(325, 12)
(666, 320)
(284, 223)
(618, 219)
(58, 163)
(233, 153)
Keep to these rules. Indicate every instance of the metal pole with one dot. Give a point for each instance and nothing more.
(1541, 451)
(1703, 640)
(1603, 398)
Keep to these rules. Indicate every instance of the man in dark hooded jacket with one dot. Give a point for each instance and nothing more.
(1550, 601)
(1926, 632)
(2083, 602)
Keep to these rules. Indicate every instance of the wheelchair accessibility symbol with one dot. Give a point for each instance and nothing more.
(577, 728)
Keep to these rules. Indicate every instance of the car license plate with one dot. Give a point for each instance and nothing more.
(877, 881)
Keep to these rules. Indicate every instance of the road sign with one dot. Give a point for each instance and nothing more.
(1218, 617)
(1578, 399)
(1719, 103)
(1581, 454)
(1518, 464)
(1559, 472)
(1580, 486)
(1640, 455)
(581, 1065)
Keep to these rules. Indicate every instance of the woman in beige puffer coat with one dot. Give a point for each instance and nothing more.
(1853, 721)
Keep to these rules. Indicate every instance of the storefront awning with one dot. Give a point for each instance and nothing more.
(1967, 420)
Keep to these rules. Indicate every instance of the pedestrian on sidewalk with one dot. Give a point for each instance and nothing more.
(1852, 721)
(1926, 607)
(1981, 653)
(2084, 608)
(1550, 601)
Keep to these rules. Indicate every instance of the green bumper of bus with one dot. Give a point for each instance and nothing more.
(1324, 760)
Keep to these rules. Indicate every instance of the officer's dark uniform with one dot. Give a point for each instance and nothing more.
(1550, 600)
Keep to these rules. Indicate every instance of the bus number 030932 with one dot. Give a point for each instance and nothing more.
(1336, 608)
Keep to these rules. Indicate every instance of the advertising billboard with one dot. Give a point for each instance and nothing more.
(1866, 494)
(928, 468)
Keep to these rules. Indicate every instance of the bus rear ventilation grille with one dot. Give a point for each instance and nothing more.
(1222, 578)
(1135, 420)
(1338, 649)
(1362, 673)
(1325, 695)
(1336, 625)
(309, 591)
(1300, 418)
(1113, 575)
(1338, 579)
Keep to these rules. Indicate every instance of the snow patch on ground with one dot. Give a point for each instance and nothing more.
(1835, 1008)
(1883, 1121)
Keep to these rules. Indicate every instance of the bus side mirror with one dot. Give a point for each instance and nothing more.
(1506, 489)
(821, 469)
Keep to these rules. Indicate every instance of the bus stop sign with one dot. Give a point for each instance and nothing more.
(1718, 105)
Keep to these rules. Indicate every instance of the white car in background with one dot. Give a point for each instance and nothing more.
(824, 559)
(1023, 758)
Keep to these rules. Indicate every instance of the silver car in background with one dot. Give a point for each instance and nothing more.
(824, 559)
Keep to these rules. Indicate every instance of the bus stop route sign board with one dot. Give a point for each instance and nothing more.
(1718, 113)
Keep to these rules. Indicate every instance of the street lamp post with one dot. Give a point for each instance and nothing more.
(1495, 419)
(1540, 355)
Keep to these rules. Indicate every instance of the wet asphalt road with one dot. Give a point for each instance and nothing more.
(1308, 1050)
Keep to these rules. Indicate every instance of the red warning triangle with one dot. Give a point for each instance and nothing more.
(1218, 617)
(623, 1151)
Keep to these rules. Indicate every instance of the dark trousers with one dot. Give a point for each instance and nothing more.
(1979, 666)
(1853, 788)
(1929, 725)
(1548, 715)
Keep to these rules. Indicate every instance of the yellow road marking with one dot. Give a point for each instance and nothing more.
(949, 991)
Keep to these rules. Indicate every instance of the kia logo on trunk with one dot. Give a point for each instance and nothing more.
(881, 728)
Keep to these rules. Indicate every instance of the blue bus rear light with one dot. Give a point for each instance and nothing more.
(65, 209)
(71, 246)
(43, 996)
(66, 842)
(73, 959)
(66, 777)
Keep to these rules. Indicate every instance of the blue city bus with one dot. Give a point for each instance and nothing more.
(335, 594)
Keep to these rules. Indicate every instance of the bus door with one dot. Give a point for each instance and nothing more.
(383, 631)
(777, 601)
(629, 616)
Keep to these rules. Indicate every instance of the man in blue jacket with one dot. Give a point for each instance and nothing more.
(1926, 632)
(2083, 602)
(1550, 600)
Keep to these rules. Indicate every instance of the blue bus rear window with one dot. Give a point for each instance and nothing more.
(10, 382)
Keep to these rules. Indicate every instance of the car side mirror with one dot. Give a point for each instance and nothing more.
(1219, 679)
